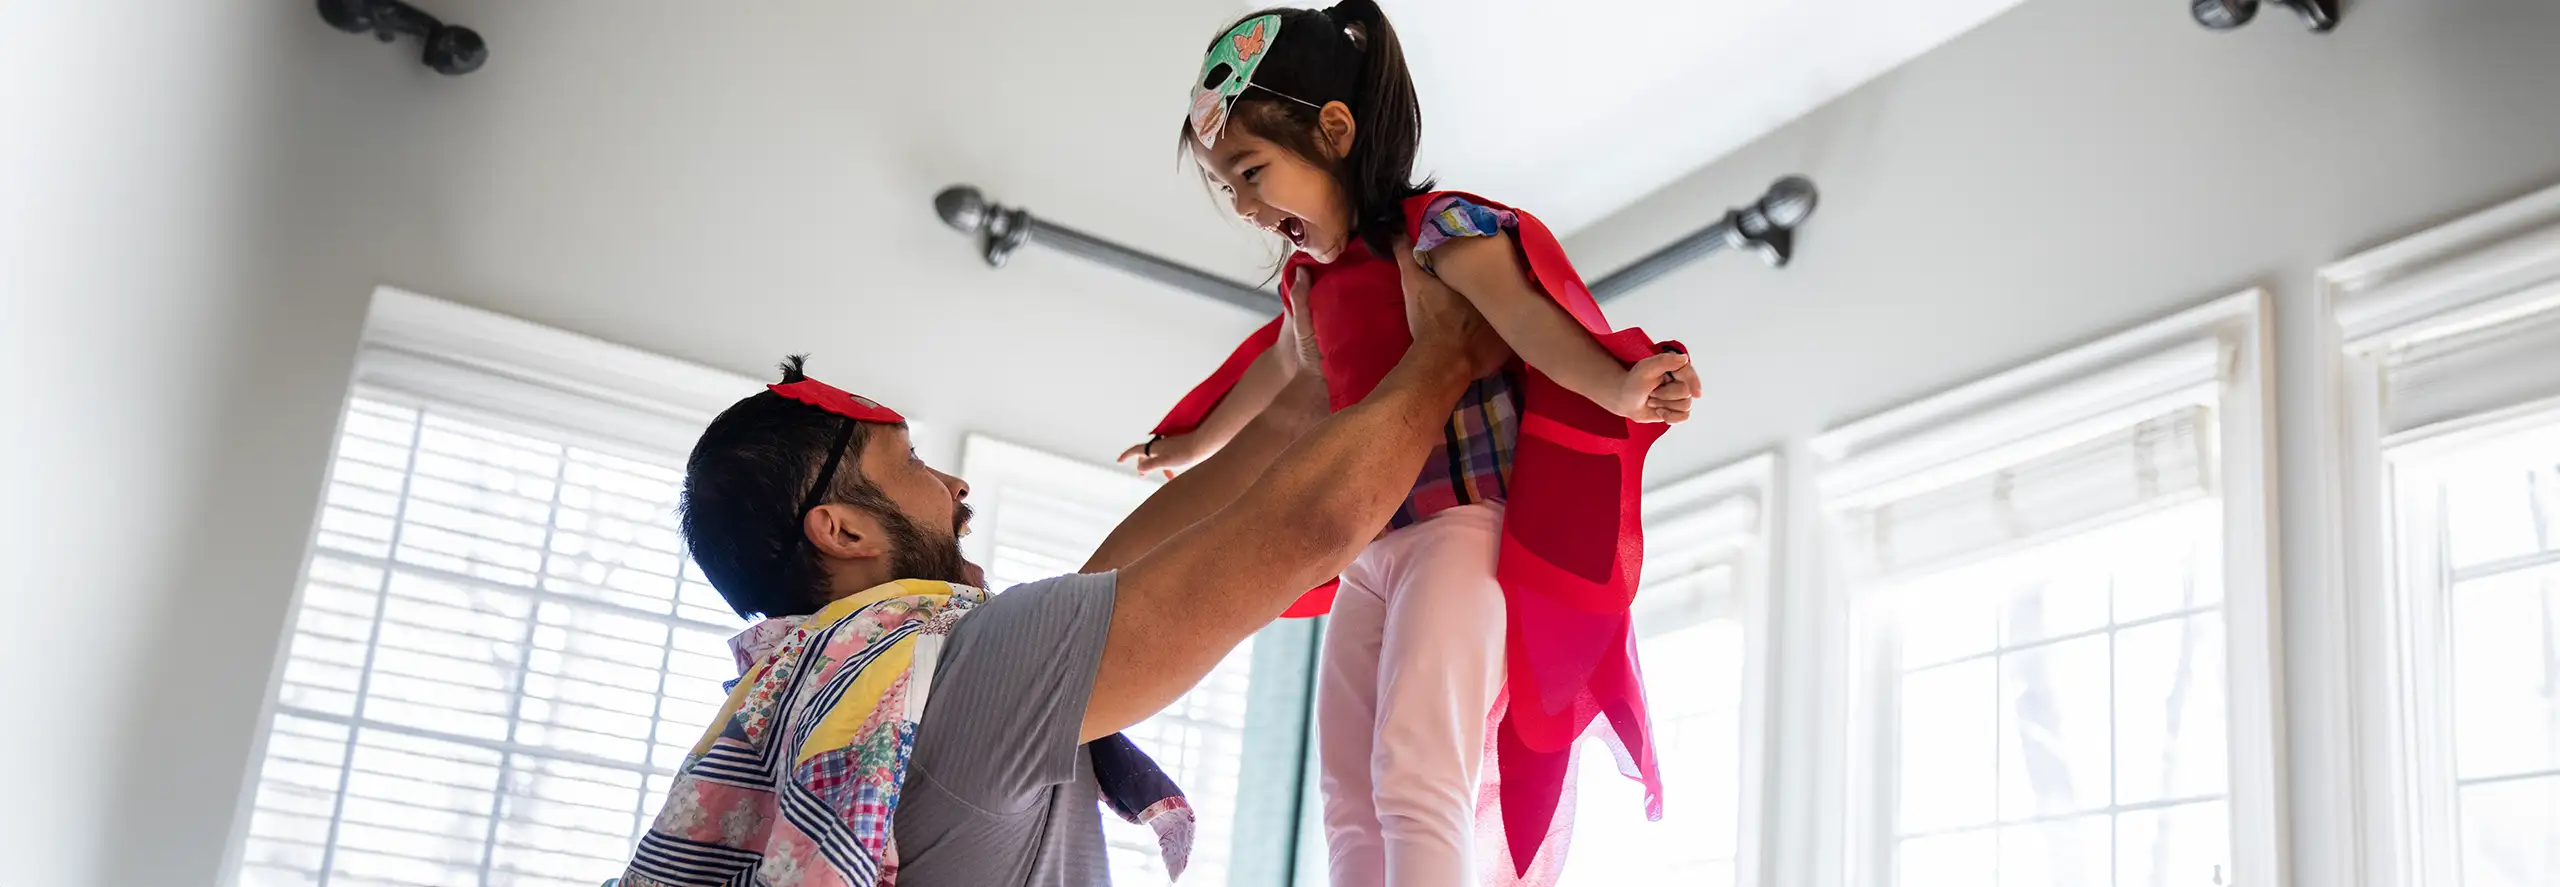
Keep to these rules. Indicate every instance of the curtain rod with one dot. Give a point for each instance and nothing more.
(1766, 226)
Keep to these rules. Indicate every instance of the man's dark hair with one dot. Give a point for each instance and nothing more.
(743, 489)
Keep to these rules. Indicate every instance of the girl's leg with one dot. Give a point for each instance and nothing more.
(1346, 717)
(1439, 668)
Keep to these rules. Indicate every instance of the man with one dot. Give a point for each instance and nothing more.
(809, 504)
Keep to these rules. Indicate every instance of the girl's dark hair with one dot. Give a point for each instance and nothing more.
(1347, 53)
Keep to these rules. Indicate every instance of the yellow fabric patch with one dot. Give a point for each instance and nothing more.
(861, 701)
(863, 698)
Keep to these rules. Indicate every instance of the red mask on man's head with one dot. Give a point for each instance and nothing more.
(838, 401)
(797, 386)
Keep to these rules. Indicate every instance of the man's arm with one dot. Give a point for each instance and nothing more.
(1217, 481)
(1182, 606)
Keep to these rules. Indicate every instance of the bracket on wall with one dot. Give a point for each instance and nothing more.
(2224, 15)
(451, 50)
(1766, 226)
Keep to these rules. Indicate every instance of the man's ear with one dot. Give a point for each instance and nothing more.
(1339, 129)
(843, 532)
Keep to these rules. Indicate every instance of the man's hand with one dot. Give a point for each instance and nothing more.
(1301, 330)
(1443, 320)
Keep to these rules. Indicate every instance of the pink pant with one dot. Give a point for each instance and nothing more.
(1412, 662)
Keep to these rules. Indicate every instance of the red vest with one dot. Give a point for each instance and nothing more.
(1572, 535)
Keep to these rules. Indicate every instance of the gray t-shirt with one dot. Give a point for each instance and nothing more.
(999, 792)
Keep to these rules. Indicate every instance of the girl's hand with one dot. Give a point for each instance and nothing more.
(1165, 453)
(1657, 389)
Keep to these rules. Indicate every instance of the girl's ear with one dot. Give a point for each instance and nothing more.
(1335, 124)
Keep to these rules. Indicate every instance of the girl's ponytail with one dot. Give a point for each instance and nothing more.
(1379, 170)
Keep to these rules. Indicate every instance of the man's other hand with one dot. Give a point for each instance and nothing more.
(1445, 322)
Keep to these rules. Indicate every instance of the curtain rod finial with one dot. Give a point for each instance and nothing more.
(1790, 201)
(962, 207)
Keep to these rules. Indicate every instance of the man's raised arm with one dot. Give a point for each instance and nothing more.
(1184, 605)
(1217, 481)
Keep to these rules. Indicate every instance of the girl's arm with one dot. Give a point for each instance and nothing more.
(1300, 403)
(1488, 270)
(1262, 381)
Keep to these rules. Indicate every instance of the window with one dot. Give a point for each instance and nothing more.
(2061, 711)
(1041, 516)
(2448, 391)
(1698, 618)
(2050, 647)
(2481, 537)
(500, 654)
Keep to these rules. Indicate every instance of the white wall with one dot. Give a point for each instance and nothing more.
(2074, 167)
(183, 255)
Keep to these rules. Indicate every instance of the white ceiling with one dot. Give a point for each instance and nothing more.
(727, 183)
(1578, 109)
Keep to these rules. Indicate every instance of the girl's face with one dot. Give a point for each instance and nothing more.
(1280, 191)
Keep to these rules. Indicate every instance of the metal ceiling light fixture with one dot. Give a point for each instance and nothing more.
(2224, 15)
(452, 51)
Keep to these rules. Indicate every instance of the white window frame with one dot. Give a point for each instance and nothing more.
(2386, 634)
(2214, 354)
(447, 351)
(473, 361)
(1736, 504)
(1278, 711)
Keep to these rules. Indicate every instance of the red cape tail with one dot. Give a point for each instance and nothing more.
(1572, 549)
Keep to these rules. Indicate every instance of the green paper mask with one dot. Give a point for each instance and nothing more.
(1237, 55)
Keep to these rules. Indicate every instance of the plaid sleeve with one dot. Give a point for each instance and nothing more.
(1452, 217)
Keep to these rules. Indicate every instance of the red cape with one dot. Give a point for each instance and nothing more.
(1571, 551)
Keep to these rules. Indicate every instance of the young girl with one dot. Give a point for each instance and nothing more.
(1497, 597)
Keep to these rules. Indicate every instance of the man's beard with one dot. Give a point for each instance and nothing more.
(922, 555)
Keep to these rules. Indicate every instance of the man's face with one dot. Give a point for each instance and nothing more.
(932, 515)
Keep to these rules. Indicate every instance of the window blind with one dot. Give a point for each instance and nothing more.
(2052, 692)
(2153, 463)
(2491, 365)
(499, 659)
(1693, 558)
